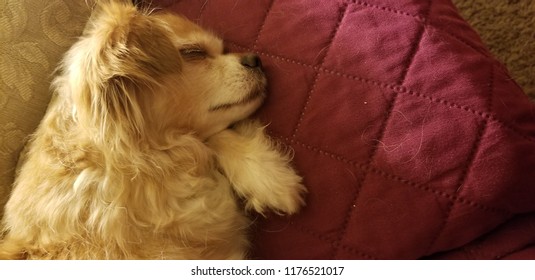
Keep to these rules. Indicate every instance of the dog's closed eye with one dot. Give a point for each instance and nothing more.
(193, 52)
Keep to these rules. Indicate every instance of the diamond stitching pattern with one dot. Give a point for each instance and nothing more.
(386, 175)
(422, 15)
(458, 192)
(322, 60)
(362, 183)
(485, 115)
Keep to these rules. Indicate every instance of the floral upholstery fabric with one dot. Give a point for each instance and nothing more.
(33, 37)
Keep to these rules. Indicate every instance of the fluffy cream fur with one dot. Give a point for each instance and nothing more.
(144, 151)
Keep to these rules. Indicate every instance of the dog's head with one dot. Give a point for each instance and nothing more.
(143, 73)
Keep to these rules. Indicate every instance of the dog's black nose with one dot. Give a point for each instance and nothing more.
(251, 60)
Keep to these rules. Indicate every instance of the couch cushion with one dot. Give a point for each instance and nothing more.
(412, 139)
(34, 36)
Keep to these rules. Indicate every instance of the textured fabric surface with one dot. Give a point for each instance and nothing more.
(412, 140)
(508, 29)
(34, 35)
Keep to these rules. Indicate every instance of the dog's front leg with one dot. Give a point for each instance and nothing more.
(259, 172)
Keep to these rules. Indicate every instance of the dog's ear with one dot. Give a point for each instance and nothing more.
(123, 54)
(132, 43)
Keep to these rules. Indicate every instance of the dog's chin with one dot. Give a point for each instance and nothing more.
(252, 98)
(252, 102)
(225, 115)
(249, 104)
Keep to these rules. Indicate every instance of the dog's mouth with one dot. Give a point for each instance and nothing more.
(252, 96)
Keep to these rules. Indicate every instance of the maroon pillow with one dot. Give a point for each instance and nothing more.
(412, 139)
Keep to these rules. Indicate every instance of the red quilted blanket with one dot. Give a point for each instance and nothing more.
(412, 139)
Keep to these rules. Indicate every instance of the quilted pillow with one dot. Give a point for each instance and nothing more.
(413, 141)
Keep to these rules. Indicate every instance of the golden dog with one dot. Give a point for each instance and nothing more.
(144, 152)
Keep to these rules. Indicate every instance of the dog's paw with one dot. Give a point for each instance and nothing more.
(259, 168)
(284, 199)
